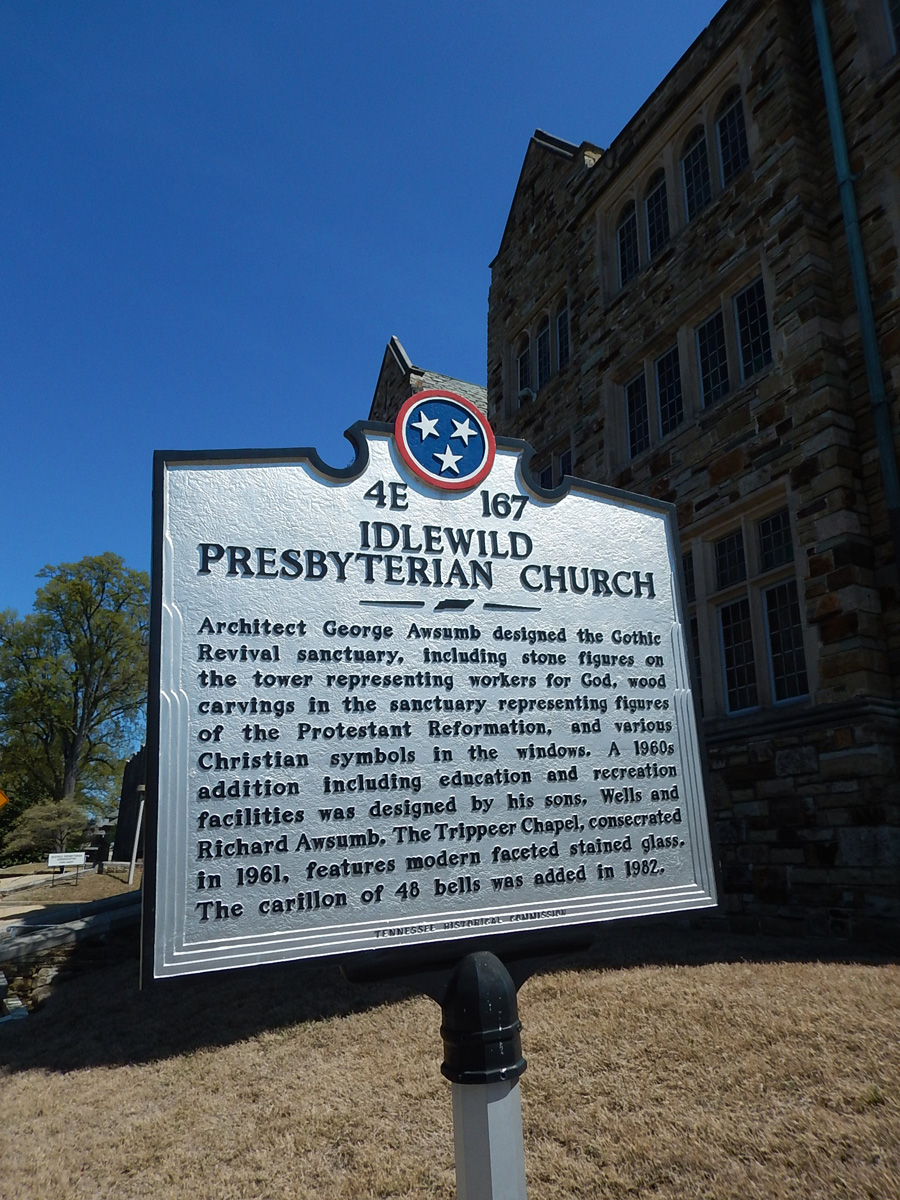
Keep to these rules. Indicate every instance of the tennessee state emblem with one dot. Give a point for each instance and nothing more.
(445, 440)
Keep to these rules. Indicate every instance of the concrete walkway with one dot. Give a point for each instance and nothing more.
(14, 892)
(26, 933)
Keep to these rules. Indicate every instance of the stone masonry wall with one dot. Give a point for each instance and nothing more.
(805, 795)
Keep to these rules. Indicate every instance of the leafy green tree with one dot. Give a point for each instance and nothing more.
(49, 827)
(73, 684)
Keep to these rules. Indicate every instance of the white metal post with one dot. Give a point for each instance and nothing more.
(137, 836)
(483, 1060)
(487, 1138)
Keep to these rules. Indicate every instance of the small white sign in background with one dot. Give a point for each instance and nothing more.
(73, 858)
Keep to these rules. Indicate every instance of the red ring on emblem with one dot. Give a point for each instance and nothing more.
(449, 485)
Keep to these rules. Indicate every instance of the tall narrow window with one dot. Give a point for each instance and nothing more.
(695, 173)
(656, 208)
(752, 329)
(776, 547)
(694, 627)
(543, 353)
(523, 367)
(562, 337)
(693, 640)
(565, 463)
(712, 358)
(785, 633)
(732, 137)
(545, 479)
(758, 615)
(690, 583)
(737, 655)
(627, 239)
(668, 391)
(638, 415)
(731, 565)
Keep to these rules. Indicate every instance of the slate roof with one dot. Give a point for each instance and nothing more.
(399, 378)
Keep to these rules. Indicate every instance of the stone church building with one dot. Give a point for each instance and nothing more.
(708, 311)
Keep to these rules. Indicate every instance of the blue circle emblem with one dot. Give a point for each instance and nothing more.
(445, 440)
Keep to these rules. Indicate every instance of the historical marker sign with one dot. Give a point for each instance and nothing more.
(413, 700)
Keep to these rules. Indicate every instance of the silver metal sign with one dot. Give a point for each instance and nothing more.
(414, 700)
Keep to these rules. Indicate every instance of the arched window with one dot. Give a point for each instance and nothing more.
(627, 239)
(732, 137)
(543, 353)
(656, 208)
(523, 366)
(695, 173)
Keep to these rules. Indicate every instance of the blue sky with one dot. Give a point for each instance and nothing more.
(216, 214)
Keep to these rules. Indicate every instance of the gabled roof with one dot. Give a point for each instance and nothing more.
(540, 145)
(399, 379)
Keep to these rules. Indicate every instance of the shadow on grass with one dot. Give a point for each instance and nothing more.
(96, 1015)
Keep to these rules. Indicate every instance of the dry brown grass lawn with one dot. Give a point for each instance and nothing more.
(666, 1065)
(90, 886)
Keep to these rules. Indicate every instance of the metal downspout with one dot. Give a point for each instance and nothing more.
(871, 355)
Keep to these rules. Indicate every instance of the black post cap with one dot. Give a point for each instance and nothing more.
(481, 1025)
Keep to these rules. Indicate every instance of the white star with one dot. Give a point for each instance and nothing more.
(463, 430)
(426, 425)
(448, 460)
